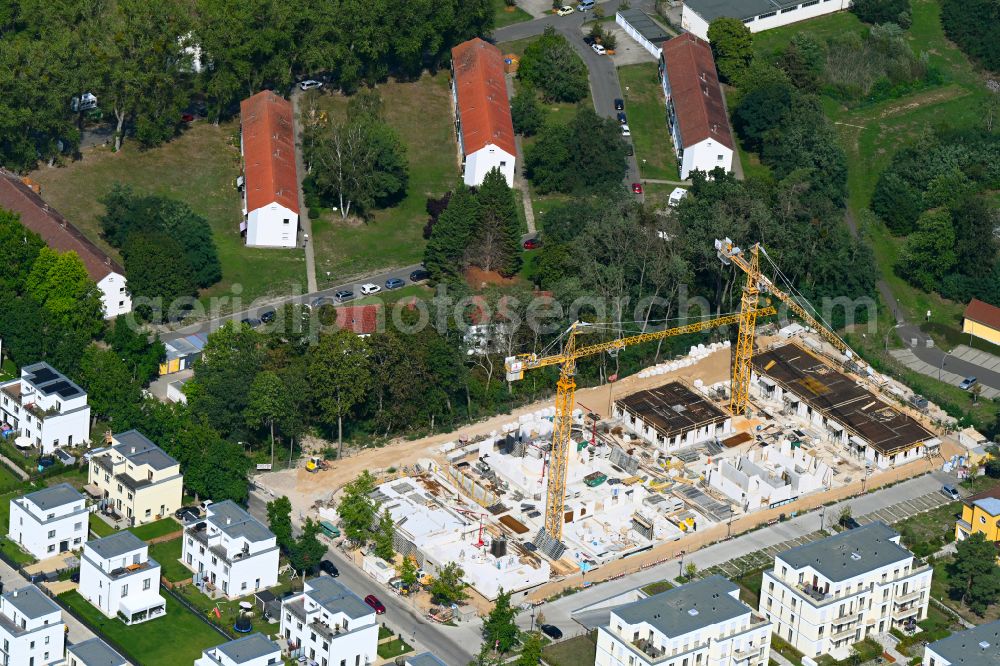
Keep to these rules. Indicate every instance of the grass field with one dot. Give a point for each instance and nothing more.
(156, 528)
(657, 587)
(8, 481)
(421, 113)
(572, 651)
(393, 648)
(168, 554)
(390, 297)
(99, 527)
(175, 638)
(200, 168)
(508, 15)
(647, 118)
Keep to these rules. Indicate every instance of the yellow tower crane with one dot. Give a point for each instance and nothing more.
(555, 498)
(756, 284)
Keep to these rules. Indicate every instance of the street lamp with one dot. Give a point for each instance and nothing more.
(940, 367)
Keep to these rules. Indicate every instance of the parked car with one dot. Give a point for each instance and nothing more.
(968, 383)
(637, 188)
(626, 131)
(187, 514)
(532, 243)
(268, 316)
(420, 274)
(370, 288)
(394, 283)
(629, 149)
(343, 295)
(310, 84)
(619, 104)
(377, 605)
(598, 49)
(585, 5)
(252, 322)
(319, 302)
(621, 118)
(588, 40)
(552, 631)
(951, 493)
(329, 568)
(565, 10)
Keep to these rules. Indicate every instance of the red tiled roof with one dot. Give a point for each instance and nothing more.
(54, 229)
(983, 313)
(269, 152)
(694, 87)
(481, 89)
(359, 319)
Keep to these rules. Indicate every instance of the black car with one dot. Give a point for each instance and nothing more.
(552, 631)
(250, 321)
(328, 567)
(588, 40)
(187, 514)
(619, 105)
(420, 274)
(267, 317)
(621, 118)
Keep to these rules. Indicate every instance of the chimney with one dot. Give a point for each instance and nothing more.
(133, 449)
(229, 520)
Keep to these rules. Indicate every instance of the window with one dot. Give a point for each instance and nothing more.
(719, 158)
(286, 221)
(767, 15)
(146, 583)
(78, 526)
(52, 534)
(125, 590)
(503, 163)
(52, 548)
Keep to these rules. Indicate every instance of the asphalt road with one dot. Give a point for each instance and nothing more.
(604, 84)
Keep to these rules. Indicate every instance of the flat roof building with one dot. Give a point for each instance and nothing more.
(757, 15)
(672, 416)
(979, 646)
(32, 630)
(328, 623)
(45, 408)
(641, 27)
(93, 652)
(253, 650)
(49, 521)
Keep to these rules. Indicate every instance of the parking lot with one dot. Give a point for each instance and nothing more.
(905, 509)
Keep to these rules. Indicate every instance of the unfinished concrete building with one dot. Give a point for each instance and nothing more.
(672, 417)
(769, 476)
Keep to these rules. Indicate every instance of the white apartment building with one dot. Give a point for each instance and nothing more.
(672, 417)
(45, 409)
(329, 625)
(118, 577)
(93, 652)
(232, 551)
(699, 624)
(252, 650)
(135, 479)
(979, 646)
(32, 631)
(757, 15)
(827, 595)
(49, 521)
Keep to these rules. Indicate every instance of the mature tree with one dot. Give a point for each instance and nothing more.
(804, 60)
(112, 392)
(141, 357)
(268, 403)
(897, 202)
(975, 26)
(586, 155)
(444, 255)
(526, 112)
(357, 510)
(976, 577)
(500, 626)
(307, 551)
(18, 250)
(339, 376)
(220, 388)
(154, 273)
(760, 111)
(61, 285)
(496, 242)
(732, 45)
(383, 536)
(552, 66)
(929, 253)
(279, 519)
(883, 11)
(531, 650)
(408, 571)
(447, 587)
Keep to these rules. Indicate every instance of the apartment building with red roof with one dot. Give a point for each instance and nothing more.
(270, 182)
(696, 113)
(482, 111)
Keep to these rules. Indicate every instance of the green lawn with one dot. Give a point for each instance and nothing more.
(14, 552)
(9, 481)
(176, 638)
(199, 167)
(390, 297)
(421, 113)
(156, 529)
(99, 527)
(572, 651)
(394, 648)
(927, 532)
(168, 554)
(657, 587)
(505, 15)
(647, 118)
(769, 43)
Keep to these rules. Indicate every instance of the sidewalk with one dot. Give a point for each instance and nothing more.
(304, 222)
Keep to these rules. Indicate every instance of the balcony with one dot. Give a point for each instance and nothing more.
(903, 613)
(908, 597)
(843, 633)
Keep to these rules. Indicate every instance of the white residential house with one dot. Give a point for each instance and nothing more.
(32, 631)
(253, 650)
(696, 112)
(702, 623)
(49, 521)
(979, 646)
(758, 15)
(270, 180)
(329, 625)
(45, 409)
(482, 111)
(231, 551)
(118, 577)
(93, 652)
(827, 595)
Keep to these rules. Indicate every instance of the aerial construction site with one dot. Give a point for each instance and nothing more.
(727, 430)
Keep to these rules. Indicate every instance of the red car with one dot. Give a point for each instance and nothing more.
(377, 605)
(637, 188)
(532, 243)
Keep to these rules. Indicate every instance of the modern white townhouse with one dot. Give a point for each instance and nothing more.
(827, 595)
(135, 479)
(979, 646)
(32, 631)
(329, 625)
(232, 551)
(118, 577)
(698, 624)
(49, 521)
(252, 650)
(93, 652)
(45, 409)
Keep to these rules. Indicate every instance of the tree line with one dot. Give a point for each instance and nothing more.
(146, 61)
